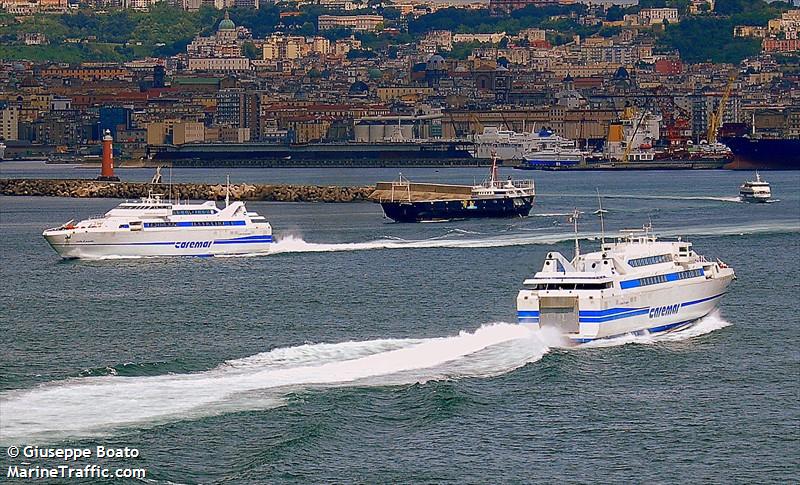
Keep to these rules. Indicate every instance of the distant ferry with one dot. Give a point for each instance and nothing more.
(404, 201)
(755, 190)
(154, 227)
(552, 158)
(636, 285)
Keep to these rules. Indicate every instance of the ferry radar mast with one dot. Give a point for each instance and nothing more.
(227, 190)
(600, 212)
(574, 220)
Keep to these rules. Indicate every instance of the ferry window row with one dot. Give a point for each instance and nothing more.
(692, 273)
(662, 258)
(653, 280)
(663, 278)
(142, 207)
(569, 286)
(191, 212)
(195, 224)
(160, 224)
(217, 223)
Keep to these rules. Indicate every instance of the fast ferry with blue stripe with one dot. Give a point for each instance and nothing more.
(636, 285)
(155, 227)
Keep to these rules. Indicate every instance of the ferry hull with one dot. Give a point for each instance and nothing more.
(71, 244)
(443, 210)
(755, 198)
(652, 312)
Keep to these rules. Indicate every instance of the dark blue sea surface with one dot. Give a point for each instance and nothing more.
(364, 351)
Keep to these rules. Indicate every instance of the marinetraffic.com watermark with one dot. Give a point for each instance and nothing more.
(37, 462)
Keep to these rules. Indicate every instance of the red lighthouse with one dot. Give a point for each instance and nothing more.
(107, 170)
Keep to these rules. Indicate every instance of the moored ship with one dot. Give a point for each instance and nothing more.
(636, 285)
(155, 227)
(763, 153)
(512, 145)
(771, 141)
(404, 201)
(553, 158)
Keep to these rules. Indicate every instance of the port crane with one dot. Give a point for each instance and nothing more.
(715, 120)
(629, 142)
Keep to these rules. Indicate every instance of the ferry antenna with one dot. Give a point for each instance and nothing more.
(227, 190)
(494, 168)
(600, 211)
(574, 220)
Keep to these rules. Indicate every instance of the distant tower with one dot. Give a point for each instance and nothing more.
(107, 169)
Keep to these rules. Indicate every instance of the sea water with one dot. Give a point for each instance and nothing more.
(362, 350)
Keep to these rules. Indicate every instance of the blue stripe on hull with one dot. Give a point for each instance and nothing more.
(649, 331)
(610, 314)
(615, 316)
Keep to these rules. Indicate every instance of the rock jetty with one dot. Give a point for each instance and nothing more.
(128, 190)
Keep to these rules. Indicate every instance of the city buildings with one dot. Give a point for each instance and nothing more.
(359, 23)
(370, 78)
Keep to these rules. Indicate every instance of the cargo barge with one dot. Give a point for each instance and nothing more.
(404, 201)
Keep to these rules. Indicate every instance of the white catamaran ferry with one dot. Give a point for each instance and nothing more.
(154, 227)
(635, 285)
(757, 190)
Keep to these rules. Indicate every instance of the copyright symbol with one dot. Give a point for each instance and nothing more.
(13, 451)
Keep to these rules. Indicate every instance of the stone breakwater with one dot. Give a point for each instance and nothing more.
(129, 190)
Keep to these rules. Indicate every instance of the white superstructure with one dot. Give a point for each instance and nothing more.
(755, 190)
(554, 157)
(513, 145)
(155, 227)
(634, 285)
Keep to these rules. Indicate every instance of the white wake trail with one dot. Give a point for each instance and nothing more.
(96, 406)
(296, 244)
(85, 407)
(732, 199)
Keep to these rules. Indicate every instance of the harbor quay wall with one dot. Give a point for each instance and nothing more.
(132, 190)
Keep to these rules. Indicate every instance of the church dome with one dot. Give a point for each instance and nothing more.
(226, 23)
(436, 63)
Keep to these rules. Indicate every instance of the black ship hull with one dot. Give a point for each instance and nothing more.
(444, 210)
(763, 153)
(315, 154)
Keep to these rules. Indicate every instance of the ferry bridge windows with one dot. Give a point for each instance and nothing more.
(662, 258)
(569, 286)
(142, 207)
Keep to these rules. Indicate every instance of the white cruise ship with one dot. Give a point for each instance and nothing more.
(635, 285)
(154, 227)
(757, 190)
(513, 145)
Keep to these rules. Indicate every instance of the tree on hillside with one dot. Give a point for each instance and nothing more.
(615, 13)
(250, 51)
